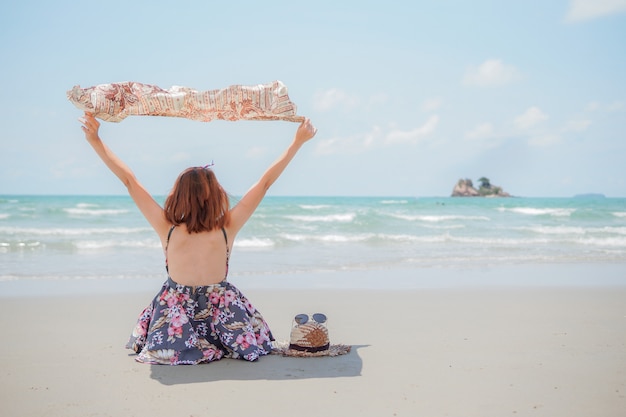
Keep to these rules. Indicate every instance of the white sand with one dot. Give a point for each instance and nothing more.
(487, 351)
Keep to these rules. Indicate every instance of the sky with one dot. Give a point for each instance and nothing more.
(408, 96)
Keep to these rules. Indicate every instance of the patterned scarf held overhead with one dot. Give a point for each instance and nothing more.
(114, 102)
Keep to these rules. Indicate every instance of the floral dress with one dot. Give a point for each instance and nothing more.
(187, 325)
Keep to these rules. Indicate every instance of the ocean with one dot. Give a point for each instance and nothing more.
(51, 238)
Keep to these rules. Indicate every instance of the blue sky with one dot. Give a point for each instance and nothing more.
(408, 96)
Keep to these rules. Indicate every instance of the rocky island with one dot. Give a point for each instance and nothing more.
(465, 188)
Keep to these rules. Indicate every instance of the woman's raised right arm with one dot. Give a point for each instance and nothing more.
(142, 198)
(240, 214)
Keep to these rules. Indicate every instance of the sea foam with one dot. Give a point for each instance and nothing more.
(533, 211)
(83, 211)
(342, 218)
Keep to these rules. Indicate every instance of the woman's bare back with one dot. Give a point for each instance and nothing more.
(198, 258)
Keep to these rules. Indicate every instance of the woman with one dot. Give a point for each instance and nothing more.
(198, 316)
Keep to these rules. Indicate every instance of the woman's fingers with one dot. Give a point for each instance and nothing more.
(89, 121)
(90, 124)
(308, 128)
(311, 130)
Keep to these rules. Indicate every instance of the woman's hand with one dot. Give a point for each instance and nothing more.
(90, 126)
(305, 131)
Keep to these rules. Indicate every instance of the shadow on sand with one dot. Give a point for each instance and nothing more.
(272, 367)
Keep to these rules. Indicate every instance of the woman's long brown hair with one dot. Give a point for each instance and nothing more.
(197, 200)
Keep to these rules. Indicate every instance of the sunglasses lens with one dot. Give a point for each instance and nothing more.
(319, 318)
(301, 318)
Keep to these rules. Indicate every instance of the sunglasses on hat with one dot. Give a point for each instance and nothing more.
(304, 318)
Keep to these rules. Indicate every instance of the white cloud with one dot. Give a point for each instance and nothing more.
(374, 139)
(412, 136)
(180, 157)
(544, 137)
(255, 152)
(616, 106)
(530, 118)
(432, 104)
(580, 10)
(482, 131)
(333, 98)
(350, 144)
(492, 72)
(378, 99)
(593, 106)
(544, 140)
(577, 125)
(483, 136)
(608, 107)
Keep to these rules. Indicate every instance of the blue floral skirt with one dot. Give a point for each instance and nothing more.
(187, 325)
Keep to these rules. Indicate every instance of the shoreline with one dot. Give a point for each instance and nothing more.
(398, 278)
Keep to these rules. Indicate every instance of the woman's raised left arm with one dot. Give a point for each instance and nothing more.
(142, 198)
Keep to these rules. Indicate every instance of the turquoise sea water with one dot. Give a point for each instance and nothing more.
(105, 237)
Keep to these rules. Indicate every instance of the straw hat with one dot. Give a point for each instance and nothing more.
(309, 338)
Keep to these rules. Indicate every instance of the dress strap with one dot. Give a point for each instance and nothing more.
(167, 243)
(227, 252)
